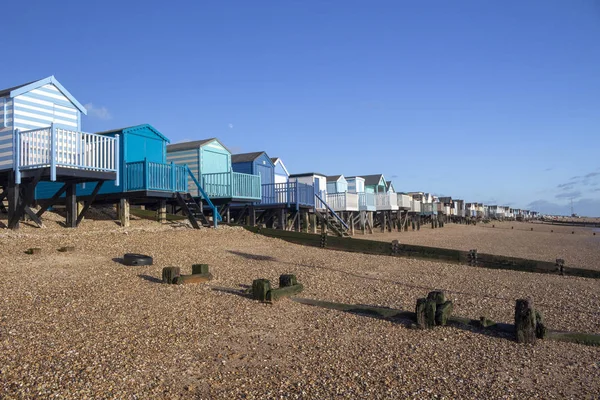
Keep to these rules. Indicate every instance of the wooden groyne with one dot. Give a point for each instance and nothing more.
(397, 249)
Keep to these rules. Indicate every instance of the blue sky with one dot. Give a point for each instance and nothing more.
(492, 101)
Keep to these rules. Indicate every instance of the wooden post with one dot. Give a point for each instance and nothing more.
(352, 223)
(71, 205)
(252, 216)
(169, 274)
(282, 219)
(13, 200)
(124, 212)
(80, 206)
(525, 321)
(162, 211)
(363, 222)
(313, 218)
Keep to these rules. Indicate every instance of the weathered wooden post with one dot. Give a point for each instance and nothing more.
(200, 269)
(260, 288)
(525, 321)
(169, 274)
(124, 212)
(287, 280)
(162, 211)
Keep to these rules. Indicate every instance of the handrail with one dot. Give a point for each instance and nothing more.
(216, 215)
(332, 212)
(53, 146)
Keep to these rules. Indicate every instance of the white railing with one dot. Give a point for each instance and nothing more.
(366, 201)
(386, 201)
(415, 206)
(343, 201)
(404, 201)
(53, 147)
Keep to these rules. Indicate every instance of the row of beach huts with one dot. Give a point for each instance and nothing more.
(46, 160)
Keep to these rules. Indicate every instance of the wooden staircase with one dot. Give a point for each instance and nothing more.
(331, 219)
(192, 210)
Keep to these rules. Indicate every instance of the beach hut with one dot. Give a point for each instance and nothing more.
(366, 200)
(459, 208)
(384, 200)
(143, 166)
(338, 196)
(257, 163)
(145, 176)
(210, 163)
(336, 184)
(41, 140)
(281, 172)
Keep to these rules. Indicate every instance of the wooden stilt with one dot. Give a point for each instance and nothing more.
(162, 211)
(13, 197)
(80, 206)
(81, 214)
(313, 218)
(124, 212)
(71, 205)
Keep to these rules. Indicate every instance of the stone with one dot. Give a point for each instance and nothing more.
(169, 274)
(486, 322)
(67, 249)
(525, 324)
(34, 250)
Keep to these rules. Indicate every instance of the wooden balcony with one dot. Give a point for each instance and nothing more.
(343, 201)
(366, 201)
(147, 175)
(386, 201)
(66, 152)
(404, 202)
(291, 194)
(232, 185)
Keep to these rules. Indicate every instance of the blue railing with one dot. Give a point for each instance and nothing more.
(53, 147)
(289, 193)
(216, 215)
(232, 185)
(149, 175)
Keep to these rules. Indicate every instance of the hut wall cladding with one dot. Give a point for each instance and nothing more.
(208, 158)
(280, 176)
(192, 159)
(339, 186)
(6, 133)
(36, 108)
(356, 185)
(261, 165)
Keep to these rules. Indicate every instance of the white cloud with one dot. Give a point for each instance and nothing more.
(230, 125)
(98, 112)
